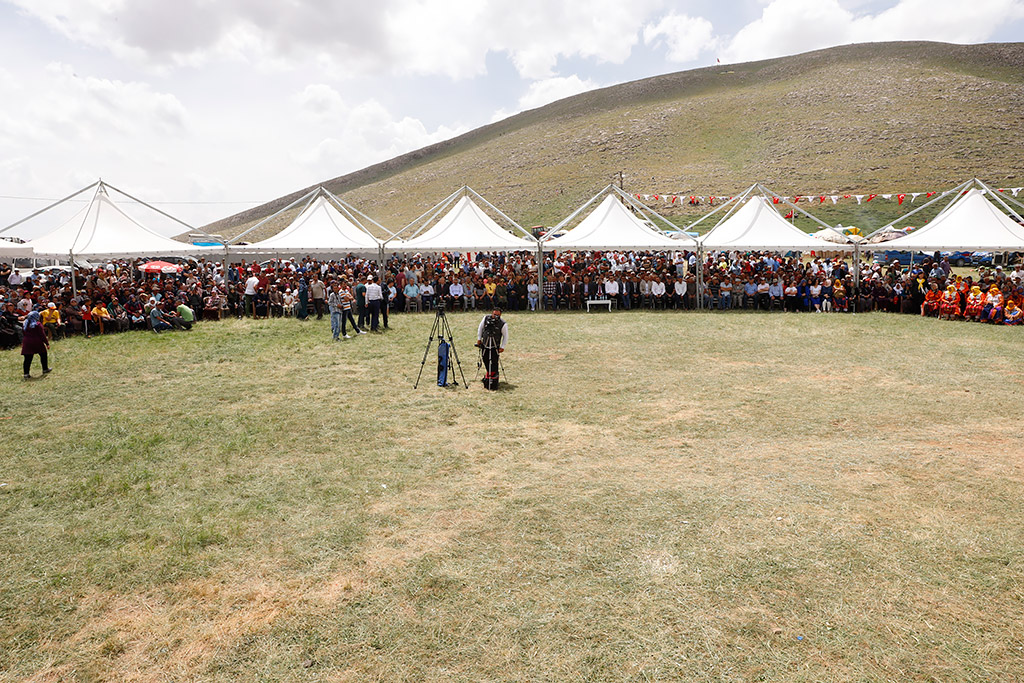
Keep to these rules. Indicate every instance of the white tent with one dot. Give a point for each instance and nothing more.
(103, 230)
(10, 249)
(611, 226)
(320, 229)
(758, 226)
(464, 228)
(971, 223)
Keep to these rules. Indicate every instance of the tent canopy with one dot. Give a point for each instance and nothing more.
(320, 229)
(611, 226)
(971, 223)
(464, 228)
(10, 249)
(758, 226)
(103, 230)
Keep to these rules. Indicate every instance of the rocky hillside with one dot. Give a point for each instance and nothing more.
(861, 118)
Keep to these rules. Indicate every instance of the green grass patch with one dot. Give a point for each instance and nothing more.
(654, 496)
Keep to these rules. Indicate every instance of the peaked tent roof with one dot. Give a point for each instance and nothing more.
(612, 226)
(10, 249)
(102, 229)
(464, 228)
(758, 226)
(972, 222)
(321, 228)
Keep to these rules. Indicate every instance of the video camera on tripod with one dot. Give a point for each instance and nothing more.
(446, 352)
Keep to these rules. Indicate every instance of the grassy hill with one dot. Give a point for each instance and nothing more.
(881, 117)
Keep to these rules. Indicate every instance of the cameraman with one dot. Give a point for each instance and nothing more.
(491, 337)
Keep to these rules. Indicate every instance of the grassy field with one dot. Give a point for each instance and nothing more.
(655, 496)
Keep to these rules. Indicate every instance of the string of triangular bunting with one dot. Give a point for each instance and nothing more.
(810, 198)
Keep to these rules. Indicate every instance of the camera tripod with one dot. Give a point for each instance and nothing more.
(443, 332)
(480, 361)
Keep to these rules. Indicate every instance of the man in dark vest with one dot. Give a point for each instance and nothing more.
(491, 337)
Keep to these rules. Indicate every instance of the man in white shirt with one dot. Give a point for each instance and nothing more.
(456, 293)
(250, 291)
(679, 293)
(611, 289)
(374, 297)
(657, 293)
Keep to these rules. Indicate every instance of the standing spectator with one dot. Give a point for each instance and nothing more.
(250, 293)
(361, 301)
(335, 308)
(317, 291)
(33, 341)
(374, 295)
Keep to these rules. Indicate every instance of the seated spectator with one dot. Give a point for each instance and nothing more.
(993, 309)
(158, 320)
(427, 295)
(412, 296)
(1012, 314)
(52, 323)
(187, 316)
(950, 306)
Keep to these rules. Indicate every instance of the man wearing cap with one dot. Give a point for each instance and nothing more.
(51, 321)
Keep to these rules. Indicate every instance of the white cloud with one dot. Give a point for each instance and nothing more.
(353, 137)
(433, 37)
(685, 37)
(551, 89)
(791, 26)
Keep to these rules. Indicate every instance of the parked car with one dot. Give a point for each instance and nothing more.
(885, 257)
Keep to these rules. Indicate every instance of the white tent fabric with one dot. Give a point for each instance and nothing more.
(102, 229)
(971, 223)
(464, 228)
(611, 226)
(10, 249)
(320, 229)
(758, 226)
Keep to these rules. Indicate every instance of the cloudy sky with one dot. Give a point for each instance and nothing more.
(207, 107)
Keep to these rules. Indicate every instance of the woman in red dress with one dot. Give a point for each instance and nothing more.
(975, 304)
(950, 307)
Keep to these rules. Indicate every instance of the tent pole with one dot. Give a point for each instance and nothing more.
(856, 274)
(162, 213)
(735, 201)
(242, 234)
(499, 212)
(700, 276)
(813, 218)
(1000, 200)
(540, 274)
(57, 203)
(352, 212)
(74, 285)
(577, 212)
(937, 198)
(739, 199)
(440, 206)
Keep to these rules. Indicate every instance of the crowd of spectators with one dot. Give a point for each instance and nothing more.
(117, 296)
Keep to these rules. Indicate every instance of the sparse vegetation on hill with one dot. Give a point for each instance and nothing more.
(876, 117)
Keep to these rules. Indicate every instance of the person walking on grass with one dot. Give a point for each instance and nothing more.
(334, 307)
(347, 301)
(33, 342)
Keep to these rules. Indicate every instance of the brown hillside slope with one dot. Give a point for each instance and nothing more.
(902, 116)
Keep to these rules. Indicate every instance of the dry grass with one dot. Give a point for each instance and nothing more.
(655, 497)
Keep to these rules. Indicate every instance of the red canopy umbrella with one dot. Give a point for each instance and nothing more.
(159, 267)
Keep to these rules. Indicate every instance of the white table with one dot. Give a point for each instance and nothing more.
(599, 302)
